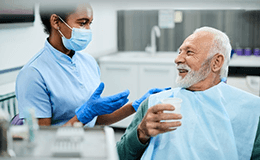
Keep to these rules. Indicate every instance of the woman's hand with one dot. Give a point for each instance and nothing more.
(97, 105)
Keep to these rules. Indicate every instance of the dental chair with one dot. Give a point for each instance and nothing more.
(16, 120)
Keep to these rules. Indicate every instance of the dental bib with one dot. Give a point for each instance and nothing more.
(218, 123)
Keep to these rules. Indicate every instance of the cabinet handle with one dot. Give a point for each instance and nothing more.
(252, 82)
(156, 70)
(117, 69)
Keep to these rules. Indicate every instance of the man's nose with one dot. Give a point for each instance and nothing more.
(180, 58)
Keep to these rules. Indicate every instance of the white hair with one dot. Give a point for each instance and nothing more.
(221, 44)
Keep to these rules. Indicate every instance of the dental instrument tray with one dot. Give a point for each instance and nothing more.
(66, 143)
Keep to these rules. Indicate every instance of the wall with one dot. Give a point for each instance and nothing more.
(19, 42)
(104, 29)
(185, 4)
(134, 28)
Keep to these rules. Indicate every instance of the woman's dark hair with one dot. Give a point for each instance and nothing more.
(47, 10)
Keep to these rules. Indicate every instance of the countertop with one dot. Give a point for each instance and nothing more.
(139, 57)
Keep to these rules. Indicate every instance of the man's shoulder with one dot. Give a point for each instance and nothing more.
(237, 93)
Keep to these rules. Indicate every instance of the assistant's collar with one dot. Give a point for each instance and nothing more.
(61, 57)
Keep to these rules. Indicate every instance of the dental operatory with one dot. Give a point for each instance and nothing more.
(130, 80)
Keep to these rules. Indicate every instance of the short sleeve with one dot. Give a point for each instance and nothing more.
(31, 92)
(91, 123)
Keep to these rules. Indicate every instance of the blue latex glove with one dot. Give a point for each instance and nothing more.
(97, 105)
(224, 79)
(137, 102)
(232, 53)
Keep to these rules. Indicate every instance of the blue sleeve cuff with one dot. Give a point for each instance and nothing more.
(91, 123)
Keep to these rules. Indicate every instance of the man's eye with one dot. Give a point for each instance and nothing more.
(189, 52)
(83, 23)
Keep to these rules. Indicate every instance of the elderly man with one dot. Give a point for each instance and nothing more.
(217, 121)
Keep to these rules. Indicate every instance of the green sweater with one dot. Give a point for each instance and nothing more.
(130, 148)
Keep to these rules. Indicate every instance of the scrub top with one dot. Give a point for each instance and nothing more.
(55, 85)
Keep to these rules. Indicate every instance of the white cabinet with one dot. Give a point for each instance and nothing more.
(249, 84)
(156, 76)
(137, 77)
(119, 77)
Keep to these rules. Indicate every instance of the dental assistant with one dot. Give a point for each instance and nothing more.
(63, 84)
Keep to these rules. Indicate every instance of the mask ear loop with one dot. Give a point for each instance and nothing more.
(64, 22)
(60, 32)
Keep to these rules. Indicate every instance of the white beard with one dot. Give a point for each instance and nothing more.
(192, 76)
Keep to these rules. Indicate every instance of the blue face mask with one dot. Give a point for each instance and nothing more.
(79, 39)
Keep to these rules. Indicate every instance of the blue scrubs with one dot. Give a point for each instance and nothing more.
(55, 85)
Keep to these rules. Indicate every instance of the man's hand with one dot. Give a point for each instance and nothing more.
(151, 124)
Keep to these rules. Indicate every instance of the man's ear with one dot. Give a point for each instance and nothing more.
(217, 62)
(54, 21)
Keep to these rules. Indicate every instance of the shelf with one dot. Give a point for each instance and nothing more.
(245, 61)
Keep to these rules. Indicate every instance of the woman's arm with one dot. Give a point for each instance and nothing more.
(116, 116)
(105, 119)
(72, 121)
(44, 121)
(47, 121)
